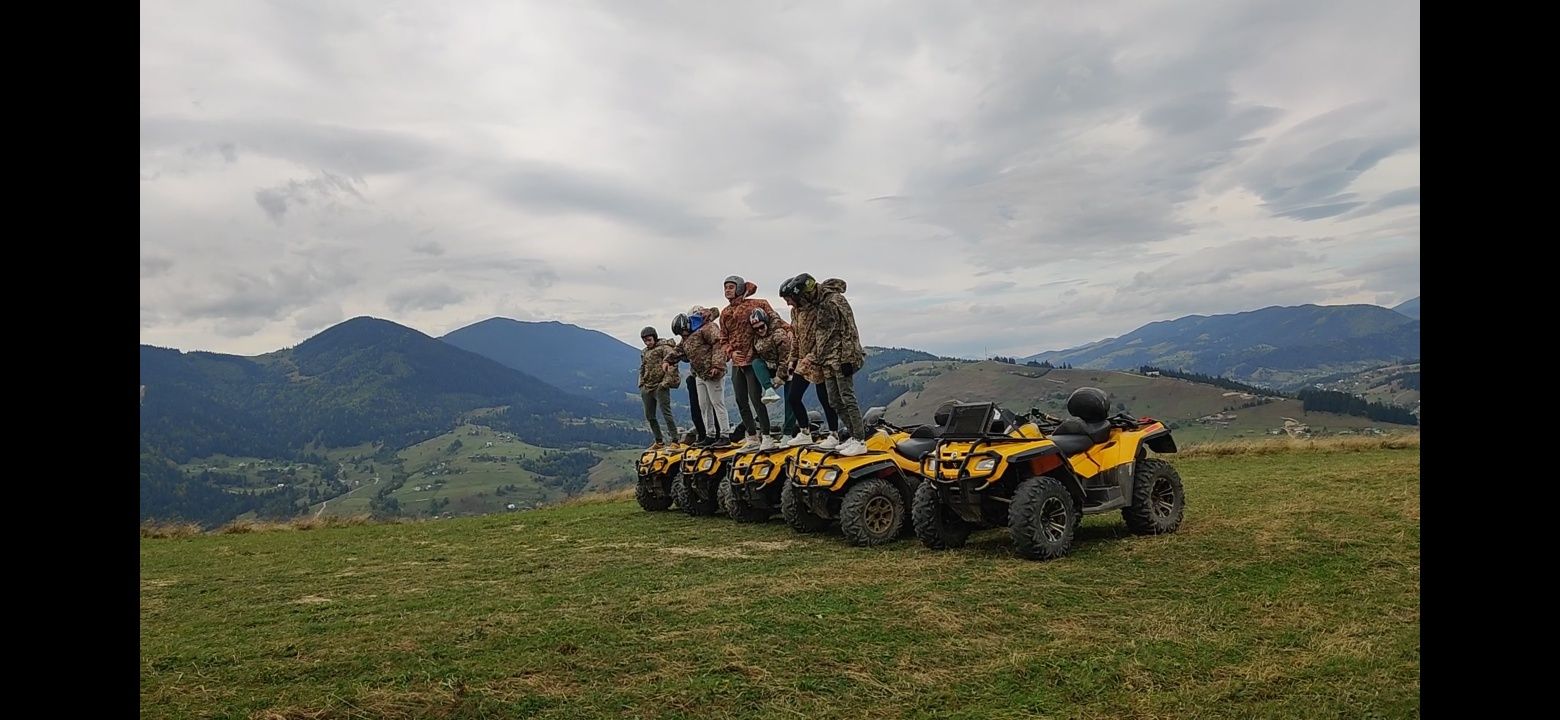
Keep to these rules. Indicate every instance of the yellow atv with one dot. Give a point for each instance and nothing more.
(752, 492)
(657, 470)
(869, 494)
(1039, 475)
(704, 468)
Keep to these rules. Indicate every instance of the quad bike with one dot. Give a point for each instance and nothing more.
(1039, 475)
(704, 468)
(870, 494)
(752, 490)
(658, 469)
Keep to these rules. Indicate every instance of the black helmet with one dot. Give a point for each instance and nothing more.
(800, 286)
(680, 324)
(758, 316)
(1089, 404)
(944, 410)
(814, 417)
(648, 331)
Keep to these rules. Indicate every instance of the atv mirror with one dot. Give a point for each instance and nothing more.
(874, 416)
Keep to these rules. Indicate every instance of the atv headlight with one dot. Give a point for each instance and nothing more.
(931, 466)
(706, 463)
(829, 475)
(762, 473)
(986, 465)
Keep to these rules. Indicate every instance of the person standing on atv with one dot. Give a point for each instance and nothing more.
(834, 351)
(704, 351)
(772, 347)
(656, 380)
(802, 337)
(697, 436)
(739, 347)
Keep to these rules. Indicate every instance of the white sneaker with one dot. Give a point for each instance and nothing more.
(800, 438)
(770, 396)
(829, 442)
(852, 447)
(751, 443)
(768, 443)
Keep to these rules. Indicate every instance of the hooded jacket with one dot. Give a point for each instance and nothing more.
(776, 350)
(703, 348)
(734, 324)
(653, 373)
(835, 343)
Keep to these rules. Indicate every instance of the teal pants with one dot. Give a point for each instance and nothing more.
(761, 370)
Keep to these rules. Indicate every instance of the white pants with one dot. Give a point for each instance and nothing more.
(712, 403)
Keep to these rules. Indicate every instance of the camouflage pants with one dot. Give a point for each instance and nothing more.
(842, 395)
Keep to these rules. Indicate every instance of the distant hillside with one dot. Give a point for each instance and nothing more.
(1197, 410)
(578, 360)
(1409, 308)
(1391, 385)
(1277, 346)
(363, 382)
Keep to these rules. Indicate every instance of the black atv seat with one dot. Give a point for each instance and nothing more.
(915, 448)
(1074, 435)
(1072, 444)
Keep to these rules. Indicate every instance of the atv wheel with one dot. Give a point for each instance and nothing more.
(648, 498)
(797, 514)
(1158, 502)
(1043, 518)
(690, 502)
(936, 524)
(872, 512)
(738, 507)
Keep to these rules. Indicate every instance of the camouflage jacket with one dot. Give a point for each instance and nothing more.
(653, 373)
(734, 324)
(703, 349)
(775, 350)
(835, 342)
(803, 339)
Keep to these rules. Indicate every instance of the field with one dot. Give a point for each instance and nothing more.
(1292, 590)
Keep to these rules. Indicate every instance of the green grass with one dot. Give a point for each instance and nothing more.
(1291, 591)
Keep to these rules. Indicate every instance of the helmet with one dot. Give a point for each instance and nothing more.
(801, 286)
(1089, 404)
(736, 280)
(680, 324)
(814, 417)
(944, 411)
(648, 331)
(758, 317)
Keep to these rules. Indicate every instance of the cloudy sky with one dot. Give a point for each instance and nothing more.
(989, 177)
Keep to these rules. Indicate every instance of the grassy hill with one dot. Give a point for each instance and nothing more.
(1390, 385)
(475, 469)
(1182, 403)
(1277, 599)
(1279, 347)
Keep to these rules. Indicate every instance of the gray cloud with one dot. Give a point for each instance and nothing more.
(153, 266)
(423, 297)
(324, 190)
(782, 196)
(353, 152)
(559, 190)
(996, 175)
